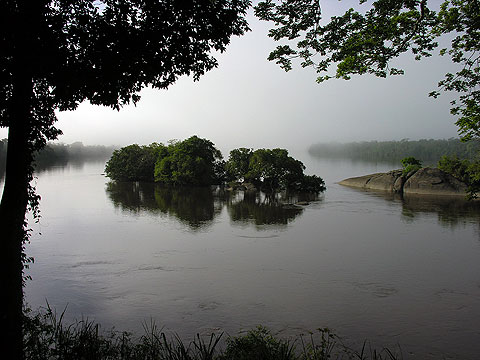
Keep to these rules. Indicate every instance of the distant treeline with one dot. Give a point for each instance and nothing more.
(61, 154)
(428, 151)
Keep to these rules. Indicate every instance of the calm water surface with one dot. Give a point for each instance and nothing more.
(365, 264)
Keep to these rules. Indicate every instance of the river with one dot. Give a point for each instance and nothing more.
(367, 265)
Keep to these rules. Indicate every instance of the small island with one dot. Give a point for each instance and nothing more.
(197, 162)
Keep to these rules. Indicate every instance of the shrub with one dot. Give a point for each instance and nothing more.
(410, 164)
(464, 170)
(134, 162)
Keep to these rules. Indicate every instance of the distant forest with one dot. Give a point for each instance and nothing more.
(61, 154)
(428, 151)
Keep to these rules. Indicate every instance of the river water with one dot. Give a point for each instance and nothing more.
(368, 265)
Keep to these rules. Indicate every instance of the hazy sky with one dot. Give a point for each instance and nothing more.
(249, 101)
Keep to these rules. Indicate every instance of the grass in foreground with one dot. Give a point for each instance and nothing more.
(47, 337)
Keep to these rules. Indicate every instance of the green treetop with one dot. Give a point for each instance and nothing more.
(194, 161)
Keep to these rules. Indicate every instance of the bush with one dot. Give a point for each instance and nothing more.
(410, 164)
(271, 170)
(464, 170)
(194, 161)
(134, 162)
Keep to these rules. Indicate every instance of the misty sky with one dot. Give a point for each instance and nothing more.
(248, 101)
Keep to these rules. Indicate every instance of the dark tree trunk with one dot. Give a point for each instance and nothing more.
(14, 201)
(12, 215)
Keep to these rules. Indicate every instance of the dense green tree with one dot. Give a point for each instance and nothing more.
(238, 162)
(464, 170)
(134, 162)
(54, 54)
(271, 169)
(274, 168)
(365, 40)
(194, 161)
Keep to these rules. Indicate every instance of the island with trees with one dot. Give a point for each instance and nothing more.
(197, 162)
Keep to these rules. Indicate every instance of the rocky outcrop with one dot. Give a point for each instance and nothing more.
(426, 181)
(432, 181)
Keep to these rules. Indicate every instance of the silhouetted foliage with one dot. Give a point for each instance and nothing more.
(55, 55)
(47, 336)
(365, 40)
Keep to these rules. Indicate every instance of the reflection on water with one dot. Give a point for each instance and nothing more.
(197, 207)
(451, 211)
(262, 209)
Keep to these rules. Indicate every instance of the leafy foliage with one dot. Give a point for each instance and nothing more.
(466, 171)
(197, 162)
(461, 17)
(410, 164)
(194, 161)
(238, 163)
(364, 41)
(271, 169)
(134, 162)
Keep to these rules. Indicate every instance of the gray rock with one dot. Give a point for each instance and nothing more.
(426, 181)
(432, 181)
(379, 181)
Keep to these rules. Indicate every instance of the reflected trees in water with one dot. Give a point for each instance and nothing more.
(197, 207)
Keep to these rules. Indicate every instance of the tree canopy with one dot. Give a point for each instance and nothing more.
(194, 161)
(197, 162)
(134, 162)
(271, 169)
(364, 40)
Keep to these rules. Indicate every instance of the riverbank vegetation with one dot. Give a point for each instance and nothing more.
(467, 171)
(429, 151)
(197, 162)
(46, 336)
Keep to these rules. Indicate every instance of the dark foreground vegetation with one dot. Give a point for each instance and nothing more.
(430, 151)
(47, 337)
(197, 162)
